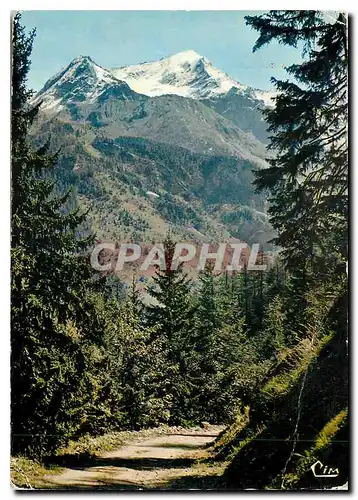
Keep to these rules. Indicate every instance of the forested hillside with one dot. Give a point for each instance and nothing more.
(117, 145)
(209, 196)
(264, 353)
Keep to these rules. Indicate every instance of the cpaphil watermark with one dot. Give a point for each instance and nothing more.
(230, 257)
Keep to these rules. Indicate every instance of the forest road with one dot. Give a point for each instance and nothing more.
(167, 461)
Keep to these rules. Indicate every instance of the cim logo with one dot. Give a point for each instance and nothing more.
(320, 470)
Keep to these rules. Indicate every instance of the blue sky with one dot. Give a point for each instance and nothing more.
(118, 38)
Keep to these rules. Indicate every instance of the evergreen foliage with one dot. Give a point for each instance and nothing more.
(305, 392)
(308, 177)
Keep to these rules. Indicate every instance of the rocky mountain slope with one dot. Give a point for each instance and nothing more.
(187, 74)
(189, 136)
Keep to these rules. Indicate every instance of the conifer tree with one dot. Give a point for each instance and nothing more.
(308, 177)
(51, 283)
(207, 316)
(307, 183)
(172, 315)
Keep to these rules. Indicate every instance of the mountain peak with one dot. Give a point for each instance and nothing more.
(186, 56)
(81, 80)
(188, 53)
(186, 73)
(80, 59)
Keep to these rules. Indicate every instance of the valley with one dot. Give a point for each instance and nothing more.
(192, 137)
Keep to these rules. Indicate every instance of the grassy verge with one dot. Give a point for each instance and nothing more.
(29, 474)
(92, 446)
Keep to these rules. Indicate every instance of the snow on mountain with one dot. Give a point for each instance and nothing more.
(82, 80)
(265, 96)
(186, 74)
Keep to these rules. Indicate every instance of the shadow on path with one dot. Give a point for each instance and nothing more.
(159, 463)
(212, 482)
(85, 462)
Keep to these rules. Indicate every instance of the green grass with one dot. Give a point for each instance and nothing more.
(27, 473)
(328, 432)
(89, 445)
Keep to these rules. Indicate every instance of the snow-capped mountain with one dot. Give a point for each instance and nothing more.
(178, 128)
(81, 81)
(187, 74)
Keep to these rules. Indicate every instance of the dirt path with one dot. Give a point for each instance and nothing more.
(166, 461)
